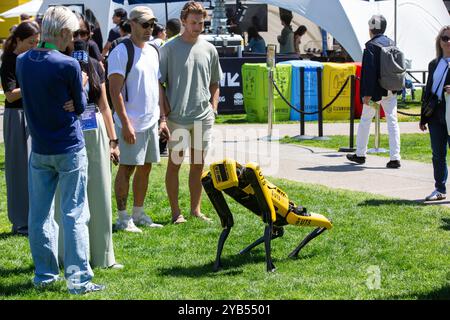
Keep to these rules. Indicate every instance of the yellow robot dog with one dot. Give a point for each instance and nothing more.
(247, 185)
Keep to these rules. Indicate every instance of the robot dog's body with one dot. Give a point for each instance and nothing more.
(247, 185)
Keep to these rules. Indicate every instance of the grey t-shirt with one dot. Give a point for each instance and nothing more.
(188, 70)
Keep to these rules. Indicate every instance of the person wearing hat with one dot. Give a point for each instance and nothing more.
(136, 100)
(120, 15)
(372, 92)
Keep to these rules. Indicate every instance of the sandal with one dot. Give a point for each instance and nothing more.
(179, 219)
(201, 216)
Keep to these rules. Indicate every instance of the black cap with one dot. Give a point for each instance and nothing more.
(121, 13)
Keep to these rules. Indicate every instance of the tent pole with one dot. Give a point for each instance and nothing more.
(167, 13)
(395, 22)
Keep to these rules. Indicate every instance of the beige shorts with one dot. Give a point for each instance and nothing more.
(185, 136)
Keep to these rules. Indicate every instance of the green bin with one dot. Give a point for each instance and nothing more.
(254, 78)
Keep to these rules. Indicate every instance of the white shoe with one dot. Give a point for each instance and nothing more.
(436, 196)
(145, 221)
(127, 224)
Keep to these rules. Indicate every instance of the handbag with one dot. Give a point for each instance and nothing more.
(433, 100)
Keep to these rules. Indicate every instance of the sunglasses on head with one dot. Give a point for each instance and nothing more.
(445, 38)
(81, 33)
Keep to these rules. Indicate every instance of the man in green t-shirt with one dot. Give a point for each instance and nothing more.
(190, 69)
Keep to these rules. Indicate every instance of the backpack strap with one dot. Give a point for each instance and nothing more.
(155, 47)
(130, 54)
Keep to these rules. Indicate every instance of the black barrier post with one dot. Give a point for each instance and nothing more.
(302, 135)
(302, 101)
(320, 106)
(352, 116)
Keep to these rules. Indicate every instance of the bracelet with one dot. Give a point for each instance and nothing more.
(116, 141)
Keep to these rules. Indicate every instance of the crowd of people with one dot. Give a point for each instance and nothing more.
(62, 132)
(151, 84)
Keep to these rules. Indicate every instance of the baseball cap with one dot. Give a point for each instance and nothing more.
(142, 14)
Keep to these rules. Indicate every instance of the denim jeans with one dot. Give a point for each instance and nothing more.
(440, 140)
(44, 174)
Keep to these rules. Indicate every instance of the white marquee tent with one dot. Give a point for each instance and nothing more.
(418, 21)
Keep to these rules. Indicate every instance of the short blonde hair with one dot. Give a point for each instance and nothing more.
(192, 7)
(55, 20)
(439, 51)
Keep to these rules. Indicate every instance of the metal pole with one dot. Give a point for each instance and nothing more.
(270, 102)
(377, 148)
(271, 51)
(352, 116)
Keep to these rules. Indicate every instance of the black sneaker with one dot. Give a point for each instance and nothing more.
(353, 157)
(393, 164)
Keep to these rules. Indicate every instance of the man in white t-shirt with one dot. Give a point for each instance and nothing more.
(137, 105)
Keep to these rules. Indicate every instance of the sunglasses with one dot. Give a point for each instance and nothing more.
(147, 24)
(445, 38)
(81, 33)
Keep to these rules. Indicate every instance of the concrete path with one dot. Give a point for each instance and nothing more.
(413, 181)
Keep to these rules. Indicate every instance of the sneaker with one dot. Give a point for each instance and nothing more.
(354, 158)
(145, 221)
(436, 196)
(127, 224)
(393, 164)
(90, 287)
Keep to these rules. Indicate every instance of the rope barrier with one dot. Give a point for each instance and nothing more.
(332, 101)
(315, 112)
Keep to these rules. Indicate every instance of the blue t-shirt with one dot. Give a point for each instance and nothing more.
(257, 45)
(48, 79)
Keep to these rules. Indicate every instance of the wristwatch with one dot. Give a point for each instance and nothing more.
(116, 141)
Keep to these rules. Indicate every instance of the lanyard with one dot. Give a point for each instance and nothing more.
(48, 45)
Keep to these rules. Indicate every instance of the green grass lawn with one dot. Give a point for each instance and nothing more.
(414, 146)
(2, 99)
(406, 241)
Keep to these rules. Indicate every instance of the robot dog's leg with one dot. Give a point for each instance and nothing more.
(316, 232)
(226, 218)
(222, 239)
(267, 239)
(277, 233)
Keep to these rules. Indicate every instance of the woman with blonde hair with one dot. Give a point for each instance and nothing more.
(434, 112)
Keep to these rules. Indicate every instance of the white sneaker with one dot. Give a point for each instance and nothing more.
(127, 224)
(145, 221)
(436, 196)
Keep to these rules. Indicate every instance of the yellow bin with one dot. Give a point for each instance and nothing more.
(334, 76)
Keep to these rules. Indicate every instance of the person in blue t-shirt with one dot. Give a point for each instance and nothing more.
(256, 43)
(58, 154)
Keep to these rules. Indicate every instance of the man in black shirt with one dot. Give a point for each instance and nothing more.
(120, 14)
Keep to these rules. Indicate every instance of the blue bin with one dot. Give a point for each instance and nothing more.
(310, 85)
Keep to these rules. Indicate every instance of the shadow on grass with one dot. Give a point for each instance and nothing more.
(442, 293)
(22, 288)
(2, 165)
(4, 273)
(387, 202)
(231, 265)
(446, 226)
(233, 121)
(6, 235)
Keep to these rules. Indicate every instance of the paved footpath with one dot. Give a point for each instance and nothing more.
(413, 181)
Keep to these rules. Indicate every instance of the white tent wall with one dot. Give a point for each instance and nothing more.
(312, 37)
(419, 21)
(102, 9)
